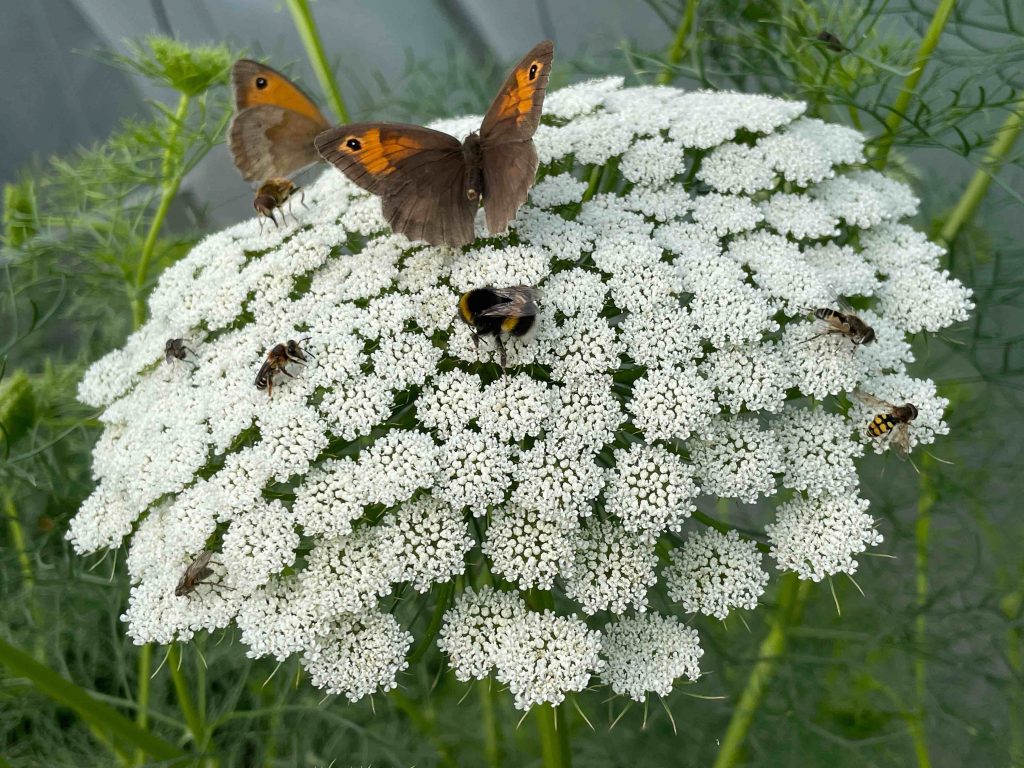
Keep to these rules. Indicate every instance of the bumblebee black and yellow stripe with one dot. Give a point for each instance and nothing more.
(881, 424)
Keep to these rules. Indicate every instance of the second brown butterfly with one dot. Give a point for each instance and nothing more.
(430, 183)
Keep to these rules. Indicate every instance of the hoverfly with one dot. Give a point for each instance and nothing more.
(893, 420)
(499, 312)
(175, 349)
(277, 362)
(844, 322)
(271, 195)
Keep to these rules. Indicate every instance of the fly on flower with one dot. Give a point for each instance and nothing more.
(499, 312)
(894, 421)
(271, 195)
(197, 573)
(277, 362)
(175, 349)
(843, 322)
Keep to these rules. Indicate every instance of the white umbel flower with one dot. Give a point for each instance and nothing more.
(670, 357)
(647, 653)
(816, 538)
(714, 572)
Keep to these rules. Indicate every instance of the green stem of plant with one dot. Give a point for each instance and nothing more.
(142, 696)
(171, 175)
(792, 594)
(553, 752)
(902, 102)
(18, 541)
(922, 528)
(492, 736)
(109, 724)
(677, 49)
(306, 27)
(1014, 645)
(196, 726)
(979, 184)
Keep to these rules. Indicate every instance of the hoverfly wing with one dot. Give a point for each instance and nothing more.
(901, 440)
(871, 401)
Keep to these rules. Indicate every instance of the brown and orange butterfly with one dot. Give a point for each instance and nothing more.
(430, 183)
(272, 133)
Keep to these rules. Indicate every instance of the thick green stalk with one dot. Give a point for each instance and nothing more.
(677, 49)
(306, 27)
(171, 175)
(142, 696)
(195, 723)
(902, 102)
(553, 751)
(792, 594)
(104, 720)
(927, 497)
(492, 737)
(978, 186)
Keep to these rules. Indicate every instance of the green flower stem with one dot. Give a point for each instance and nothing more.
(978, 186)
(902, 102)
(492, 736)
(306, 27)
(927, 497)
(18, 541)
(171, 175)
(677, 49)
(553, 744)
(106, 722)
(196, 726)
(444, 596)
(142, 696)
(792, 595)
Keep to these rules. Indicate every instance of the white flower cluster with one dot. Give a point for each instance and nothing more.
(675, 358)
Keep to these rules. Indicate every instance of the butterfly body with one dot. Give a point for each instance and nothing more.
(430, 183)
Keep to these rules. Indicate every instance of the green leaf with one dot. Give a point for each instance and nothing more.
(95, 713)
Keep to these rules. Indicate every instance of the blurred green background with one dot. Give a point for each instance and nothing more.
(923, 669)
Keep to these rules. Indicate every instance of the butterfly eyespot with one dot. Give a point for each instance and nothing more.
(533, 71)
(354, 144)
(261, 83)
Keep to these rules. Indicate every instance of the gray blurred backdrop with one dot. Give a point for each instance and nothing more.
(59, 95)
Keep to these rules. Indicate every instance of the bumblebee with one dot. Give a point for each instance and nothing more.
(277, 362)
(271, 195)
(894, 421)
(175, 349)
(501, 313)
(845, 323)
(196, 573)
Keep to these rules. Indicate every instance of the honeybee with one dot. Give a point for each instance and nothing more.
(499, 312)
(175, 349)
(198, 572)
(271, 195)
(843, 322)
(277, 362)
(893, 421)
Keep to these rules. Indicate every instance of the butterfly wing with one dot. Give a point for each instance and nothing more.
(419, 174)
(275, 123)
(515, 112)
(506, 135)
(268, 142)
